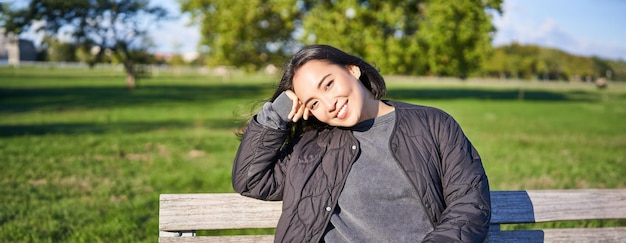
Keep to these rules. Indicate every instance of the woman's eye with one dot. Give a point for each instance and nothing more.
(329, 84)
(313, 105)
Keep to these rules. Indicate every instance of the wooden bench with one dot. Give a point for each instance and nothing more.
(181, 215)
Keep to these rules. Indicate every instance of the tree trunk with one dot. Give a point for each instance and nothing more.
(130, 75)
(130, 81)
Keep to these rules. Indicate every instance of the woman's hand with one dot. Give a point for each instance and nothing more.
(298, 110)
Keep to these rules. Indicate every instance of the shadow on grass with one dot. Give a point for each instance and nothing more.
(489, 94)
(111, 128)
(28, 99)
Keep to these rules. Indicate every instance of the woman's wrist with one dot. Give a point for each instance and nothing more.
(282, 105)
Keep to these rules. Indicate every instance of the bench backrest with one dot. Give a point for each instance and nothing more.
(183, 214)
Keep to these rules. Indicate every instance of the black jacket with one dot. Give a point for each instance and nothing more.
(309, 174)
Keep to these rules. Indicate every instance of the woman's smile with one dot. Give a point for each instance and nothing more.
(343, 112)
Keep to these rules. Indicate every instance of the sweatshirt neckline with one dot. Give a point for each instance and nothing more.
(374, 122)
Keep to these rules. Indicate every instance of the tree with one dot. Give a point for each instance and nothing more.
(450, 38)
(398, 36)
(249, 33)
(117, 25)
(58, 51)
(382, 32)
(530, 61)
(458, 35)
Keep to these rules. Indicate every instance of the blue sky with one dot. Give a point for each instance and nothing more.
(581, 27)
(177, 35)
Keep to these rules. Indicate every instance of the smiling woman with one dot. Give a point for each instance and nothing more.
(334, 95)
(356, 168)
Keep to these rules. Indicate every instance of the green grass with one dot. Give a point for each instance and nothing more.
(84, 159)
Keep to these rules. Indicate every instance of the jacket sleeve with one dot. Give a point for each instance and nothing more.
(465, 186)
(258, 169)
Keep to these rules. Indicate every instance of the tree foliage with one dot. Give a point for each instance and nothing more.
(117, 25)
(398, 36)
(617, 70)
(248, 33)
(535, 62)
(58, 51)
(458, 35)
(382, 32)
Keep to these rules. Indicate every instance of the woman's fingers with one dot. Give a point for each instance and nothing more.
(295, 103)
(306, 114)
(299, 112)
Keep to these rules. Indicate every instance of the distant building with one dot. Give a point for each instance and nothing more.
(21, 50)
(4, 54)
(13, 50)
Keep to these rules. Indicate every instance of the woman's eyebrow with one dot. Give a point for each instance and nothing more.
(322, 80)
(319, 84)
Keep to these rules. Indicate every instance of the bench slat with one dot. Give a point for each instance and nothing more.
(516, 236)
(554, 205)
(219, 239)
(188, 212)
(616, 234)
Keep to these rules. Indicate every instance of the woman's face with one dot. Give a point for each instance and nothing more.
(333, 93)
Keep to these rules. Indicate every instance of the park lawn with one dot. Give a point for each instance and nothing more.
(84, 159)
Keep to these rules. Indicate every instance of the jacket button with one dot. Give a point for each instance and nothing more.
(427, 205)
(353, 147)
(328, 209)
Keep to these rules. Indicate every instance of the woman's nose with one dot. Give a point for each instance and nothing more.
(330, 103)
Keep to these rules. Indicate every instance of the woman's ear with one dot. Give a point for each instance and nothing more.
(355, 71)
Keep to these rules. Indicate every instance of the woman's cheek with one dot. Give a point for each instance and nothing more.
(321, 117)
